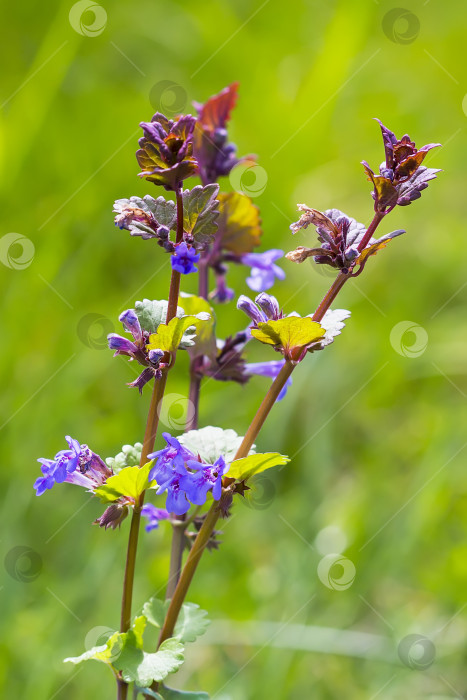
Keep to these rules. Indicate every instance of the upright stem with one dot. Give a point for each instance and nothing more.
(148, 446)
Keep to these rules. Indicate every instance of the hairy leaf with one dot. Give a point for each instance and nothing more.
(143, 668)
(151, 313)
(255, 464)
(200, 212)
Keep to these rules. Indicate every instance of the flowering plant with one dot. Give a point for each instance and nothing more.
(197, 476)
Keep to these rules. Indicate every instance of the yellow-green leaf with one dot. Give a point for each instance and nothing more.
(239, 223)
(255, 464)
(129, 482)
(371, 250)
(288, 333)
(205, 341)
(169, 336)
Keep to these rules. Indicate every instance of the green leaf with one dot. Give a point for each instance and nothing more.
(239, 223)
(129, 456)
(107, 653)
(151, 313)
(211, 442)
(172, 694)
(168, 337)
(143, 668)
(129, 482)
(288, 333)
(255, 464)
(164, 210)
(192, 621)
(200, 212)
(155, 610)
(205, 341)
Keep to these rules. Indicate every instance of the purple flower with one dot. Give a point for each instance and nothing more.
(183, 259)
(170, 460)
(154, 515)
(264, 308)
(207, 477)
(269, 369)
(77, 465)
(177, 500)
(263, 269)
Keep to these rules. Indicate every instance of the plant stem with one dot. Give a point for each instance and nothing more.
(377, 219)
(152, 424)
(176, 557)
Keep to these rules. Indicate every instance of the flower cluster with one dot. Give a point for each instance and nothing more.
(136, 349)
(186, 479)
(340, 237)
(77, 465)
(166, 150)
(402, 177)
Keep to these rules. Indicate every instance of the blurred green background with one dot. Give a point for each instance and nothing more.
(376, 423)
